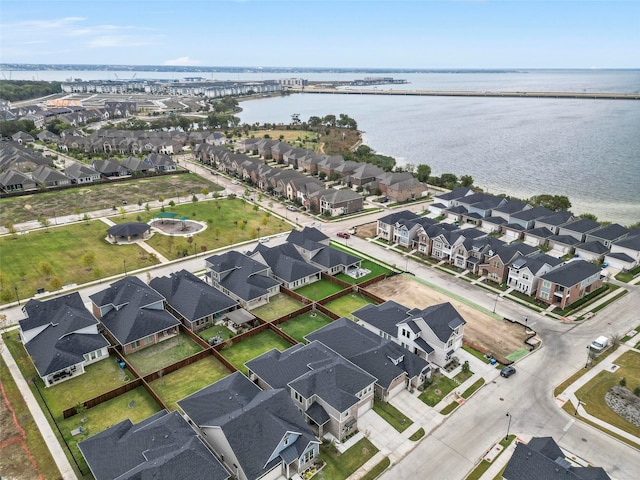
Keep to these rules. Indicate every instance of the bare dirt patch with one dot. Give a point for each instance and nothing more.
(481, 332)
(367, 230)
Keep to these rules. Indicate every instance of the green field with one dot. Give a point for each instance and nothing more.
(176, 385)
(77, 201)
(228, 220)
(278, 306)
(62, 248)
(302, 325)
(319, 290)
(165, 353)
(253, 347)
(346, 304)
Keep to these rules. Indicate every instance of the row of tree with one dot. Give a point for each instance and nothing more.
(15, 90)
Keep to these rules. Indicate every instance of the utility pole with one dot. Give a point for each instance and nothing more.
(508, 426)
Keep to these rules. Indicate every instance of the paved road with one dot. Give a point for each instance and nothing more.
(451, 450)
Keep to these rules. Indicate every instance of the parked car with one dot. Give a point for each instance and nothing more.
(507, 371)
(291, 208)
(234, 182)
(263, 240)
(599, 343)
(343, 235)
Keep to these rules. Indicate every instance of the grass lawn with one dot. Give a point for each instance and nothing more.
(62, 248)
(135, 405)
(476, 385)
(210, 332)
(12, 465)
(187, 380)
(319, 290)
(626, 277)
(225, 219)
(76, 201)
(253, 347)
(340, 466)
(99, 377)
(376, 471)
(346, 304)
(304, 324)
(476, 353)
(592, 394)
(483, 466)
(439, 389)
(417, 435)
(375, 268)
(392, 415)
(162, 354)
(278, 306)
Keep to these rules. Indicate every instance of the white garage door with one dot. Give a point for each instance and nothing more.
(395, 390)
(365, 407)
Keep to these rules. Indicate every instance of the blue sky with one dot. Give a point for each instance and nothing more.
(308, 33)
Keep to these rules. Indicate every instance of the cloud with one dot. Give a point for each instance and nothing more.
(111, 41)
(182, 61)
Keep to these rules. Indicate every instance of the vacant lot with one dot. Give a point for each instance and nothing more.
(97, 197)
(482, 331)
(56, 256)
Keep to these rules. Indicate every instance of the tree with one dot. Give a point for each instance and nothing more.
(172, 203)
(552, 202)
(466, 181)
(45, 268)
(204, 192)
(423, 172)
(86, 218)
(88, 259)
(590, 216)
(56, 283)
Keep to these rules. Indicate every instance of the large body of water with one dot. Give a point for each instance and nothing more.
(588, 150)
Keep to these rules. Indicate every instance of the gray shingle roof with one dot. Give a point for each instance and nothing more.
(542, 459)
(612, 231)
(243, 276)
(132, 320)
(385, 316)
(443, 319)
(374, 354)
(163, 446)
(571, 273)
(190, 296)
(285, 262)
(253, 421)
(593, 247)
(583, 225)
(395, 217)
(128, 229)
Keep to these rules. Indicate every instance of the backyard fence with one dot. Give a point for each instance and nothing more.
(337, 281)
(373, 280)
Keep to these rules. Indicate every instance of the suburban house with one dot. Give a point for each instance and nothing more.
(109, 168)
(554, 221)
(527, 218)
(386, 225)
(61, 337)
(161, 162)
(256, 434)
(133, 314)
(579, 229)
(16, 181)
(445, 200)
(80, 173)
(161, 446)
(287, 265)
(507, 209)
(401, 186)
(426, 234)
(569, 282)
(525, 272)
(562, 244)
(625, 253)
(433, 333)
(334, 202)
(314, 247)
(542, 458)
(242, 278)
(192, 301)
(473, 208)
(49, 177)
(608, 234)
(495, 263)
(22, 138)
(331, 391)
(394, 367)
(364, 174)
(592, 251)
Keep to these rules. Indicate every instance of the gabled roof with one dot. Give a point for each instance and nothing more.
(130, 320)
(535, 263)
(540, 232)
(457, 192)
(253, 421)
(592, 247)
(532, 213)
(242, 275)
(512, 206)
(308, 236)
(564, 239)
(190, 296)
(398, 217)
(79, 170)
(313, 369)
(381, 358)
(542, 458)
(556, 219)
(582, 225)
(571, 273)
(163, 446)
(442, 319)
(385, 316)
(46, 174)
(285, 262)
(612, 231)
(632, 242)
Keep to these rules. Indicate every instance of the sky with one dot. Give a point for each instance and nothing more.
(417, 34)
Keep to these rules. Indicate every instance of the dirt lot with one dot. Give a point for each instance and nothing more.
(367, 230)
(482, 332)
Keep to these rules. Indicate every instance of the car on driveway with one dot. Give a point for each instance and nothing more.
(507, 371)
(343, 235)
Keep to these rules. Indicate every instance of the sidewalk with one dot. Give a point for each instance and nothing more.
(569, 395)
(43, 425)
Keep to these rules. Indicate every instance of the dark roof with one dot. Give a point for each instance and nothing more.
(583, 225)
(307, 234)
(190, 296)
(385, 316)
(612, 231)
(253, 421)
(593, 247)
(621, 256)
(243, 276)
(556, 219)
(632, 242)
(457, 192)
(313, 369)
(442, 319)
(564, 239)
(382, 358)
(163, 446)
(285, 262)
(128, 229)
(540, 232)
(536, 262)
(542, 459)
(532, 213)
(512, 206)
(571, 273)
(395, 217)
(129, 319)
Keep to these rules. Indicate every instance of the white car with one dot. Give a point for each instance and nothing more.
(263, 239)
(234, 182)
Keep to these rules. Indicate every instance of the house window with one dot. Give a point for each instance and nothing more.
(306, 458)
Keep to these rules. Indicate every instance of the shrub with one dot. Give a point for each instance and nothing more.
(623, 382)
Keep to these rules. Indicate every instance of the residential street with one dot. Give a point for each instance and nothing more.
(453, 448)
